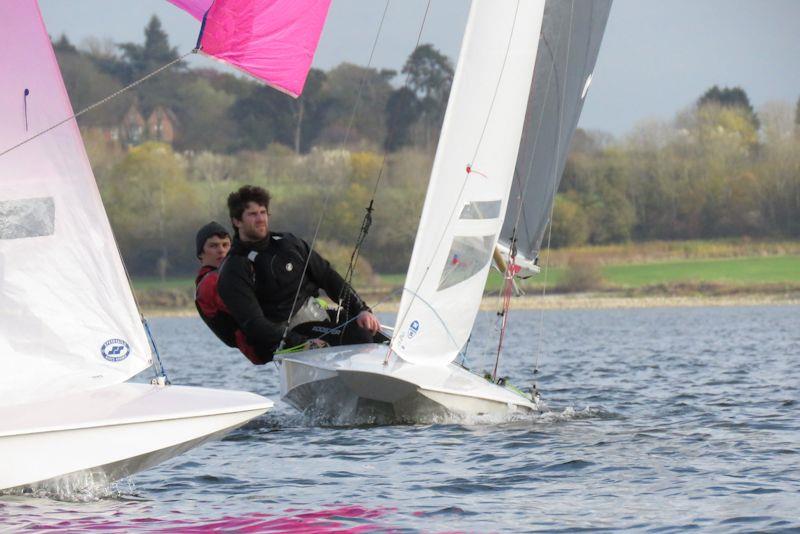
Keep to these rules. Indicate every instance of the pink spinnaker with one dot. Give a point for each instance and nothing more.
(196, 8)
(273, 40)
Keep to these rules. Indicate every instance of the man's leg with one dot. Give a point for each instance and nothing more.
(345, 332)
(323, 330)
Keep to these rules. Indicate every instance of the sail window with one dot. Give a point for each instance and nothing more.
(481, 209)
(467, 256)
(27, 217)
(586, 86)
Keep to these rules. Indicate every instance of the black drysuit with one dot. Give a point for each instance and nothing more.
(258, 282)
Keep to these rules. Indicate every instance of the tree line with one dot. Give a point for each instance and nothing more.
(717, 169)
(225, 113)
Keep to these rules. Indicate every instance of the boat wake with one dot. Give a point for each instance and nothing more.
(281, 419)
(79, 487)
(543, 415)
(570, 413)
(368, 416)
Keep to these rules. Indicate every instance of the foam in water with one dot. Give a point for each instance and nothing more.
(85, 486)
(361, 416)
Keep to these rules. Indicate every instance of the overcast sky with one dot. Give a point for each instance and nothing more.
(657, 56)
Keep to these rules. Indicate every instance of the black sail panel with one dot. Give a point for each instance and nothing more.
(571, 34)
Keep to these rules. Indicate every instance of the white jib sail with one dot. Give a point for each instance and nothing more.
(470, 180)
(68, 320)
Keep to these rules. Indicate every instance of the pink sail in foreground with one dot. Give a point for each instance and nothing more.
(272, 40)
(68, 320)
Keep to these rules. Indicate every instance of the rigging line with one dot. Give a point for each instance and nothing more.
(367, 221)
(507, 292)
(464, 183)
(405, 84)
(364, 78)
(329, 191)
(156, 363)
(160, 368)
(553, 75)
(553, 197)
(435, 313)
(100, 102)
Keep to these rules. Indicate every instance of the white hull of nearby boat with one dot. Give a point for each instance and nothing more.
(351, 384)
(113, 432)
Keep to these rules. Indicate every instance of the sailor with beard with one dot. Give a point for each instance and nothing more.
(260, 278)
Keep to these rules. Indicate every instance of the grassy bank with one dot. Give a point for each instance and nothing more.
(649, 270)
(758, 272)
(665, 251)
(751, 271)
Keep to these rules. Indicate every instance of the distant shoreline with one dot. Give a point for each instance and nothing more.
(579, 301)
(588, 301)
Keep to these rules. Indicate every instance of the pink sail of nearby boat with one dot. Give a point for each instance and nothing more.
(71, 334)
(196, 8)
(272, 40)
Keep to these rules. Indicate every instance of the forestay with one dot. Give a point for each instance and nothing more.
(570, 41)
(470, 181)
(68, 320)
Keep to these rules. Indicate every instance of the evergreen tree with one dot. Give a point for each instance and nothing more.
(156, 43)
(402, 111)
(64, 45)
(430, 75)
(263, 117)
(309, 111)
(729, 97)
(155, 52)
(350, 88)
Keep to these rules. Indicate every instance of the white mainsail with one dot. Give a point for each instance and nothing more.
(506, 45)
(470, 181)
(68, 321)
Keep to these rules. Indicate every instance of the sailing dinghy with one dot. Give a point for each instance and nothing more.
(70, 331)
(522, 76)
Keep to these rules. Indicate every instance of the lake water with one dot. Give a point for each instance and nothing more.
(656, 419)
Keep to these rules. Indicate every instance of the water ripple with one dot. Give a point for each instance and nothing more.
(661, 420)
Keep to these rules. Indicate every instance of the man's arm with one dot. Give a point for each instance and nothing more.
(340, 291)
(326, 277)
(237, 291)
(208, 306)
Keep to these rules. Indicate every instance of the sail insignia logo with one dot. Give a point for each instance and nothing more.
(413, 328)
(115, 350)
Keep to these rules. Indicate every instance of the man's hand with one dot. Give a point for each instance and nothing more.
(368, 321)
(314, 344)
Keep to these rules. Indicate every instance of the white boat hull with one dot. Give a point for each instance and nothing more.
(351, 385)
(109, 433)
